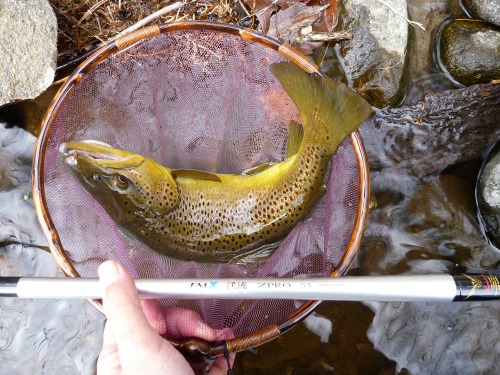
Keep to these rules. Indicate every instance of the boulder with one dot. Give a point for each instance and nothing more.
(470, 50)
(487, 10)
(374, 57)
(28, 46)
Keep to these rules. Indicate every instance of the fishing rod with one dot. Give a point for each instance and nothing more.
(432, 288)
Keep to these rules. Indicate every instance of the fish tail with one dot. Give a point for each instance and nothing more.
(330, 108)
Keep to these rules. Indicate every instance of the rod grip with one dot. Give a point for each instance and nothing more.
(477, 287)
(8, 286)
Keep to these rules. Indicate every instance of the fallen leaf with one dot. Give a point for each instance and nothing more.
(330, 15)
(286, 24)
(263, 10)
(291, 20)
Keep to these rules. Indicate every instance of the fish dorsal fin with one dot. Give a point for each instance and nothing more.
(195, 175)
(295, 135)
(257, 169)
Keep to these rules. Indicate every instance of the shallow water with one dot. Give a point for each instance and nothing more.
(36, 336)
(416, 226)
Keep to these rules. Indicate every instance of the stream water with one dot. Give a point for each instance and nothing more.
(416, 226)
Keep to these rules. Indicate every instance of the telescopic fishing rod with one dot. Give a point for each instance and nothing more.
(435, 288)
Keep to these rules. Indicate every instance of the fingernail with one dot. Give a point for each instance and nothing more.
(108, 273)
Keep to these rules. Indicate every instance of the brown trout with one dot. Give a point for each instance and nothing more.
(208, 217)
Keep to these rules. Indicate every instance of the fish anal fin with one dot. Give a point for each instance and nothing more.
(295, 135)
(195, 175)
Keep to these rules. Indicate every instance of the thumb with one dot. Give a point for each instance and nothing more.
(140, 349)
(136, 341)
(121, 304)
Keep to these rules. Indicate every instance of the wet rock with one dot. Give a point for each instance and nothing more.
(470, 51)
(489, 197)
(487, 10)
(374, 57)
(445, 129)
(28, 36)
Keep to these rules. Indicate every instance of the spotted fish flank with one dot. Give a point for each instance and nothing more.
(207, 217)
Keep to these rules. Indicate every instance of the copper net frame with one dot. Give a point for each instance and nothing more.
(197, 350)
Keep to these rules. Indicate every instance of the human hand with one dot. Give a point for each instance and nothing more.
(130, 343)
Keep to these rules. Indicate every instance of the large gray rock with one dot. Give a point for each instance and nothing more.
(28, 48)
(374, 57)
(487, 10)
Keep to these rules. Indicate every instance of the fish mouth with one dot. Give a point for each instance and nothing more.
(97, 155)
(92, 149)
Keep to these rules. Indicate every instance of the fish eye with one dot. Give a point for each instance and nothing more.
(97, 177)
(121, 181)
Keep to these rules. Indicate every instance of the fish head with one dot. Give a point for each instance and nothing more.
(123, 183)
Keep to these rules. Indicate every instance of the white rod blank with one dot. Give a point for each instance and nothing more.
(439, 288)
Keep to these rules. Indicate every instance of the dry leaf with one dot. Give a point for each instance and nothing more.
(330, 15)
(263, 10)
(289, 20)
(286, 24)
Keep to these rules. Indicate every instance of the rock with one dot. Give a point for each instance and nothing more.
(489, 196)
(487, 10)
(28, 37)
(374, 57)
(444, 129)
(470, 51)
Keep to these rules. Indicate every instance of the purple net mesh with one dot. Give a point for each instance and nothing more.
(199, 99)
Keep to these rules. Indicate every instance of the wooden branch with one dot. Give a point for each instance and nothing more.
(442, 130)
(314, 36)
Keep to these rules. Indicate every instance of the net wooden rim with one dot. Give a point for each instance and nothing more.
(272, 331)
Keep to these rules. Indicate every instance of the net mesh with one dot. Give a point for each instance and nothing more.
(196, 99)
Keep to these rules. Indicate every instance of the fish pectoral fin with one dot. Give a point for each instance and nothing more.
(257, 169)
(195, 175)
(295, 135)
